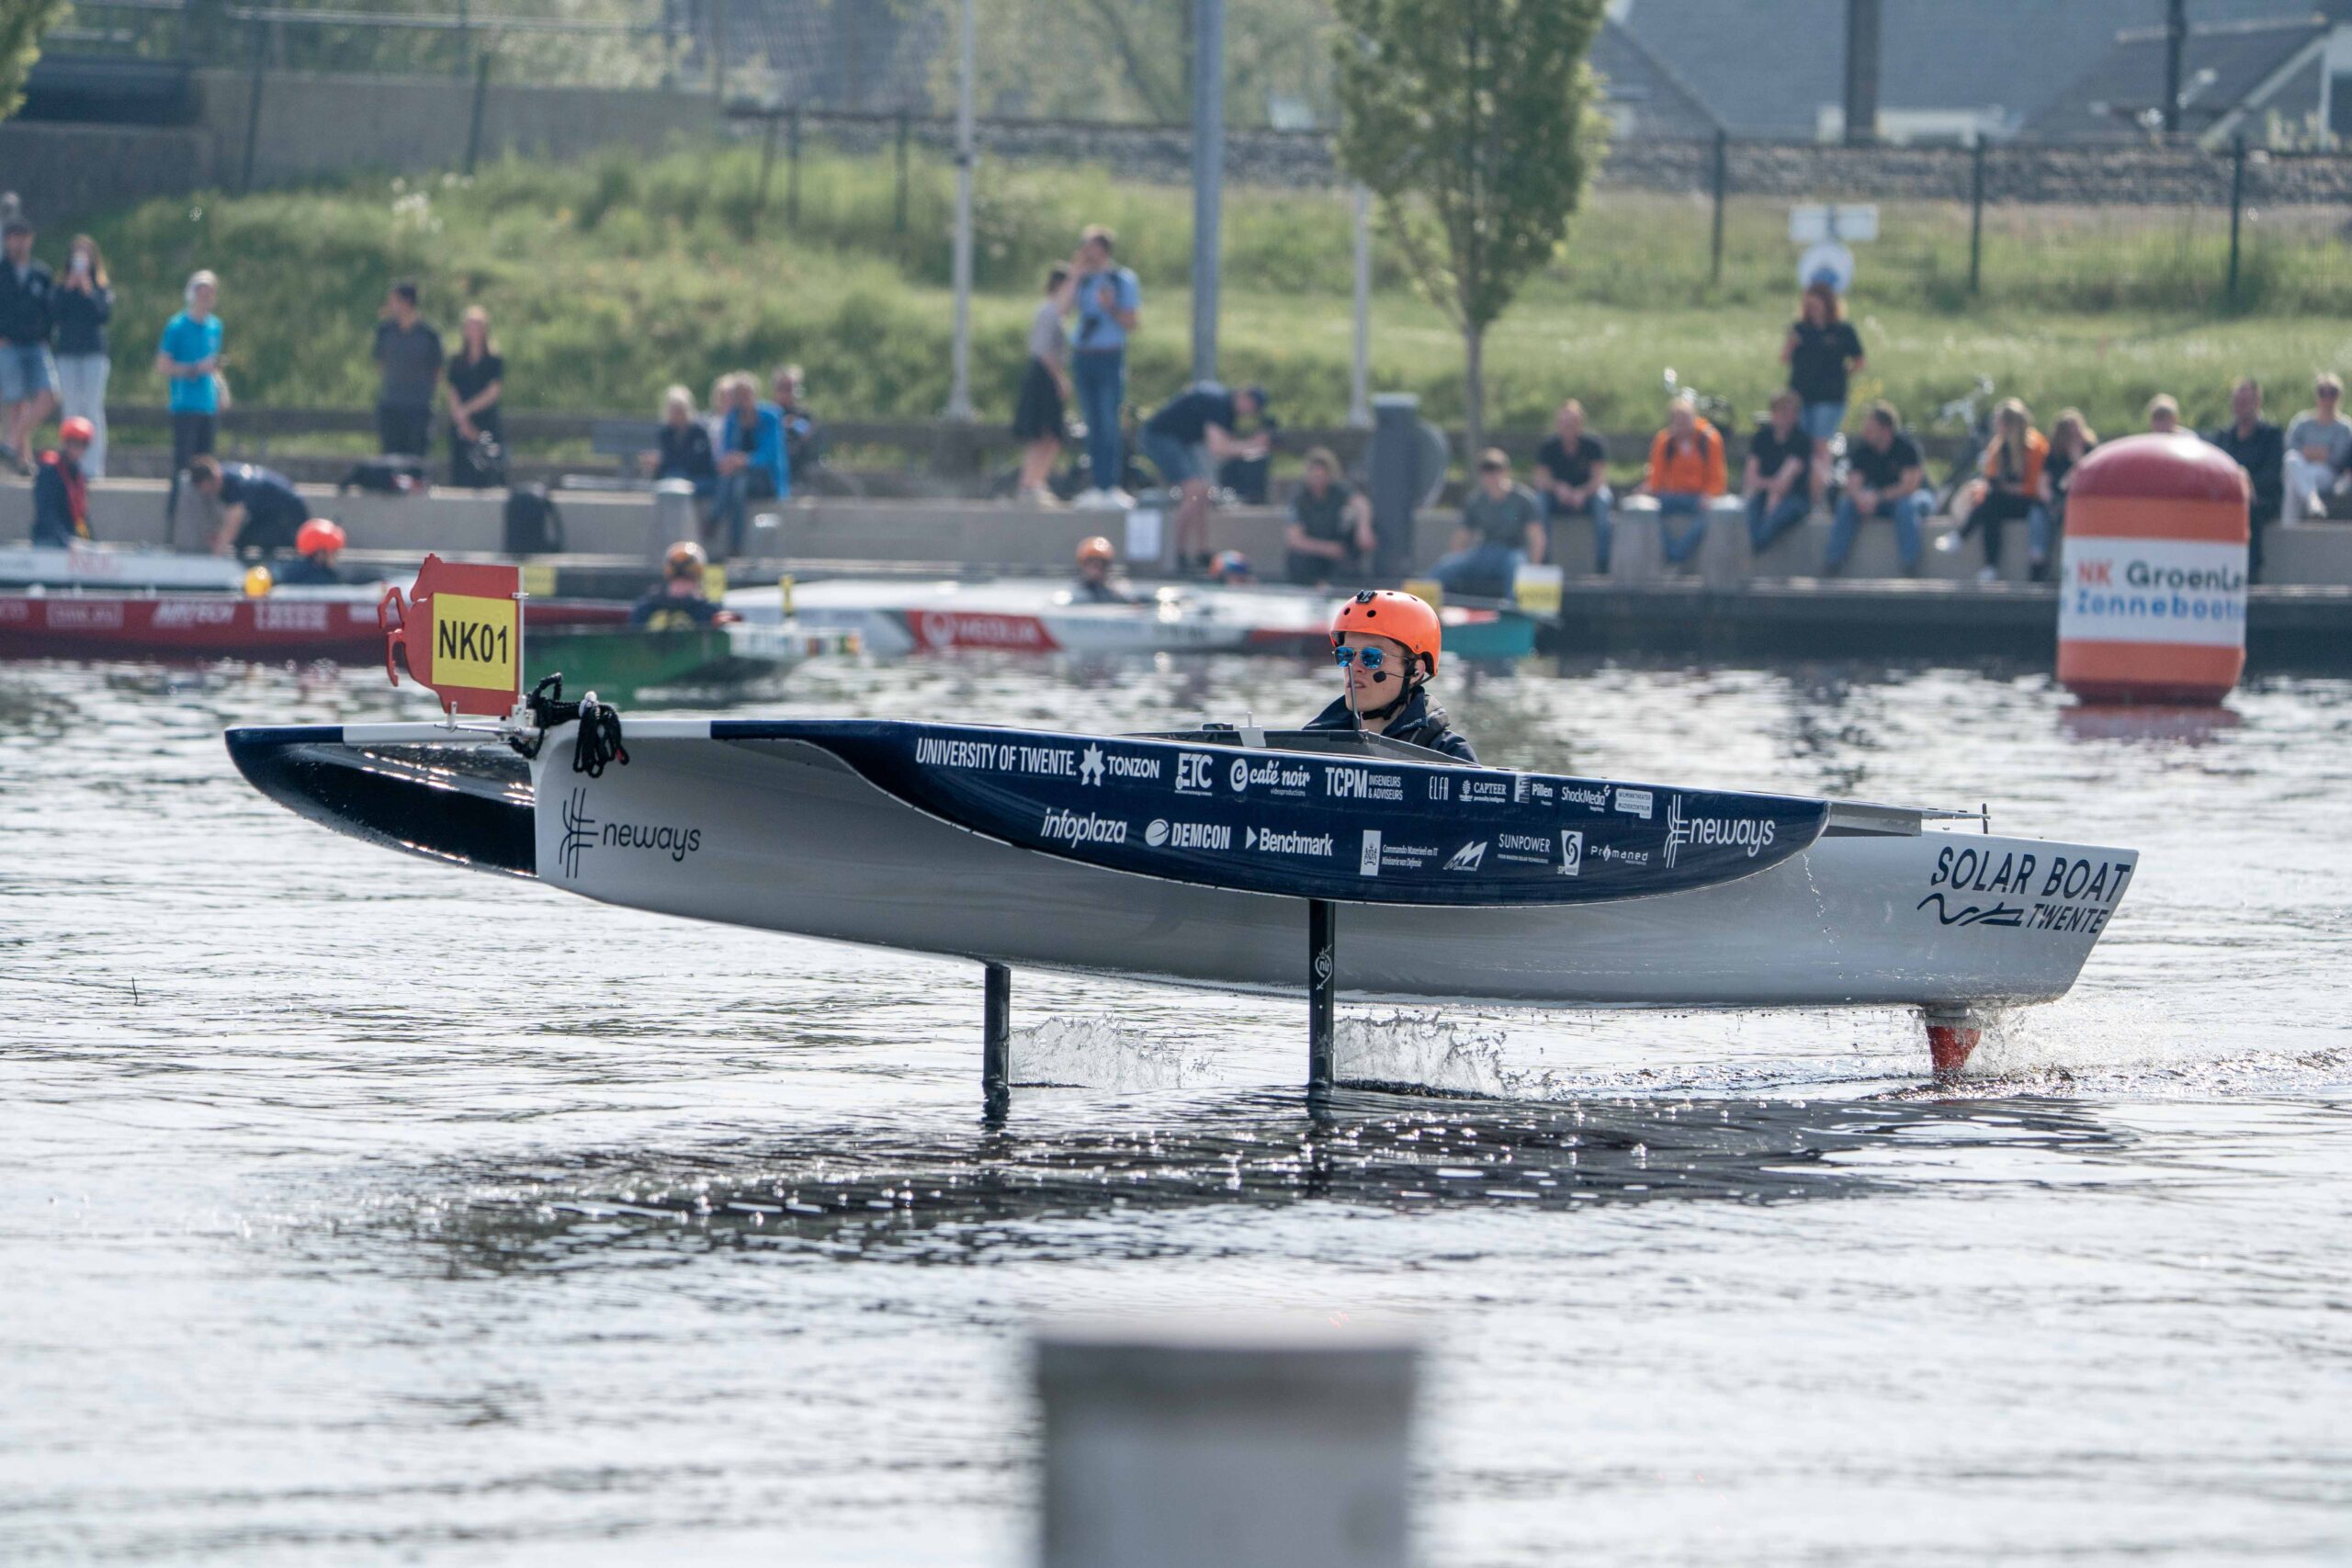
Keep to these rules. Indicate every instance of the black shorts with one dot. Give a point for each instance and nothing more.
(1039, 415)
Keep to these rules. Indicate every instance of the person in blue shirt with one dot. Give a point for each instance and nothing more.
(751, 461)
(188, 360)
(28, 315)
(1109, 308)
(1186, 439)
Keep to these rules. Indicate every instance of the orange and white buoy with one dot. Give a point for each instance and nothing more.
(2152, 597)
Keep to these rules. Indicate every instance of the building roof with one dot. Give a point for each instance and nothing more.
(2220, 68)
(1647, 90)
(1766, 68)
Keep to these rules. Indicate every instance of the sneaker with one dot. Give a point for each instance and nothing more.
(1088, 498)
(1118, 498)
(1988, 574)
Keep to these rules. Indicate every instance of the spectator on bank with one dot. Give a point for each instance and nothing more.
(683, 450)
(803, 440)
(1185, 438)
(188, 360)
(2319, 453)
(2008, 486)
(1822, 352)
(1501, 529)
(1778, 480)
(1889, 480)
(1686, 473)
(259, 508)
(27, 375)
(749, 459)
(1039, 422)
(1330, 538)
(2260, 448)
(475, 392)
(2164, 414)
(1109, 308)
(62, 489)
(1572, 477)
(2071, 440)
(407, 352)
(84, 305)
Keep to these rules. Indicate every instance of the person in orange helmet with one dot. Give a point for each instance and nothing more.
(61, 493)
(678, 604)
(1095, 558)
(317, 544)
(1387, 644)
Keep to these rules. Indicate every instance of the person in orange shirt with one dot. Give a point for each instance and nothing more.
(1685, 475)
(2012, 481)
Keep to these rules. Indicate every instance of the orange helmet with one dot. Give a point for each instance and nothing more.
(1096, 548)
(1384, 612)
(78, 429)
(685, 559)
(317, 536)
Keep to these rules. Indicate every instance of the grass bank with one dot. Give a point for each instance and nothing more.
(610, 278)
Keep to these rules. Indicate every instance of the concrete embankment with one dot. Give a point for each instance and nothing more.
(1724, 603)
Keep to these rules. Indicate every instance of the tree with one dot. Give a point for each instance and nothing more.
(1131, 59)
(1475, 124)
(22, 23)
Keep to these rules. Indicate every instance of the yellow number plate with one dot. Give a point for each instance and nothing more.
(475, 642)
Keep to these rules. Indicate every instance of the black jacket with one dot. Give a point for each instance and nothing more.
(2262, 454)
(81, 319)
(1417, 724)
(56, 524)
(26, 310)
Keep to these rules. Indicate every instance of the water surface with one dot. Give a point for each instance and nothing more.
(357, 1210)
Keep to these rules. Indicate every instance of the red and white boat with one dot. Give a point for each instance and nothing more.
(99, 603)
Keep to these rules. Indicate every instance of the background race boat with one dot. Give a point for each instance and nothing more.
(898, 617)
(621, 663)
(287, 622)
(1204, 859)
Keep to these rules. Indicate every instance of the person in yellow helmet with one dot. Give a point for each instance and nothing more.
(1388, 644)
(678, 604)
(1094, 585)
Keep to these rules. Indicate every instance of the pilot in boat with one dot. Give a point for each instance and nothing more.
(1094, 585)
(678, 605)
(318, 547)
(61, 493)
(1387, 644)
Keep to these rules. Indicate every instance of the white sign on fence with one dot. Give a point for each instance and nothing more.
(1812, 223)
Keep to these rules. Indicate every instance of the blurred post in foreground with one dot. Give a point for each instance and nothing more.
(1182, 1444)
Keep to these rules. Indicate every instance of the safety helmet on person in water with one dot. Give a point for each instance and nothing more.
(317, 536)
(78, 429)
(1384, 612)
(685, 559)
(1094, 549)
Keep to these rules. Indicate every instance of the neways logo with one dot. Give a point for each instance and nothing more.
(1752, 834)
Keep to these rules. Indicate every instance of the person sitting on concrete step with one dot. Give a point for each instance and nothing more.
(1686, 473)
(2319, 454)
(1889, 480)
(1778, 482)
(1330, 538)
(1501, 530)
(1572, 477)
